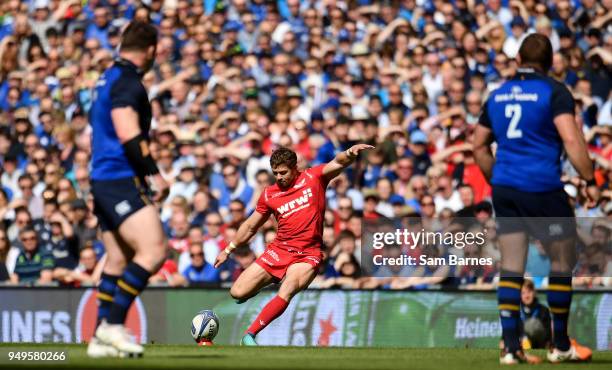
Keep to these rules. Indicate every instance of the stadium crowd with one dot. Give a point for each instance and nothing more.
(235, 79)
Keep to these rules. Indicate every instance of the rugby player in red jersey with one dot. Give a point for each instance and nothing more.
(297, 201)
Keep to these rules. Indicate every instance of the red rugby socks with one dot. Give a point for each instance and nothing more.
(271, 311)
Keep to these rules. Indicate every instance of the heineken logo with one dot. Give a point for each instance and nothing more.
(466, 328)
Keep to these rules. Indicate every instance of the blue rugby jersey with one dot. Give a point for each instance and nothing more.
(119, 86)
(520, 113)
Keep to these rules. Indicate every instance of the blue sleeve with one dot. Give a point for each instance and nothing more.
(127, 92)
(561, 100)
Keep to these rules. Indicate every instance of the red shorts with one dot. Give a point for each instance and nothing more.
(276, 261)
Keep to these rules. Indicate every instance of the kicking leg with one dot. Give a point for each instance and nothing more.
(250, 282)
(298, 277)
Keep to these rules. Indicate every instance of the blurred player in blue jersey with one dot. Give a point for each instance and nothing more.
(122, 169)
(531, 118)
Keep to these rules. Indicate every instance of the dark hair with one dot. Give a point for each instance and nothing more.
(238, 201)
(138, 36)
(284, 156)
(25, 176)
(529, 285)
(536, 51)
(243, 251)
(22, 209)
(27, 229)
(345, 234)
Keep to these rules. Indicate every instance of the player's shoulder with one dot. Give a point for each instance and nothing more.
(270, 192)
(314, 171)
(557, 87)
(126, 82)
(110, 75)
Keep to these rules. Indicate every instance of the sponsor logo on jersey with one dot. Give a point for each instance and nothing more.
(516, 94)
(122, 207)
(296, 204)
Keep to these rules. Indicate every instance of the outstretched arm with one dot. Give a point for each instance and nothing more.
(343, 160)
(244, 234)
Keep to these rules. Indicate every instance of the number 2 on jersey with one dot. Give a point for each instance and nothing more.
(513, 111)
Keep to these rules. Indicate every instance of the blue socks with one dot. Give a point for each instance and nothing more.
(106, 292)
(509, 304)
(129, 286)
(559, 296)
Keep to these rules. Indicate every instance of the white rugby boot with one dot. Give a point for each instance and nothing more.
(117, 336)
(98, 349)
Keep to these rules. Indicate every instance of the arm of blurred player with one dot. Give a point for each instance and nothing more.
(577, 152)
(343, 160)
(125, 122)
(244, 234)
(483, 137)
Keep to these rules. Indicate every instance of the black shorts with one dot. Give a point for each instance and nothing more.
(547, 216)
(116, 200)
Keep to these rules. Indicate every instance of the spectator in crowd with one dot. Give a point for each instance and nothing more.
(22, 220)
(84, 274)
(244, 257)
(169, 273)
(534, 315)
(179, 229)
(200, 271)
(447, 197)
(62, 243)
(83, 224)
(213, 237)
(34, 265)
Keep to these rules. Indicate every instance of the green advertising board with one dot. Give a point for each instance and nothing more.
(380, 318)
(314, 317)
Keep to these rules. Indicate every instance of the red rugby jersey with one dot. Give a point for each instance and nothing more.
(298, 210)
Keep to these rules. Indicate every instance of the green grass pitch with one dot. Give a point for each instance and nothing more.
(232, 357)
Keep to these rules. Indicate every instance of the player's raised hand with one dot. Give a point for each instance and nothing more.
(160, 187)
(355, 149)
(221, 258)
